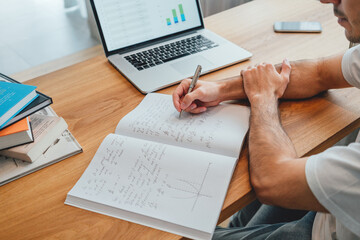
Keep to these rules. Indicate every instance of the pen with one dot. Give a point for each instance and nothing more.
(193, 82)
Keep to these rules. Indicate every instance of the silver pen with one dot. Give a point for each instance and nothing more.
(193, 82)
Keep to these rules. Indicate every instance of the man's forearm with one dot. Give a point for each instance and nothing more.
(232, 88)
(276, 173)
(268, 142)
(310, 77)
(307, 78)
(305, 81)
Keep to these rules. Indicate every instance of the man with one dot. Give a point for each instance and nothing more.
(325, 186)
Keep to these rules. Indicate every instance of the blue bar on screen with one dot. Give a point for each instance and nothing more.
(183, 17)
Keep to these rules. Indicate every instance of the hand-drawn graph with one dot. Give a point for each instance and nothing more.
(185, 189)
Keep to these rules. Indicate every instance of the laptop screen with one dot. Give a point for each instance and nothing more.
(126, 23)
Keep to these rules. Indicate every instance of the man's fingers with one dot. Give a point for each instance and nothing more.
(176, 99)
(190, 108)
(179, 93)
(187, 100)
(199, 110)
(285, 69)
(196, 101)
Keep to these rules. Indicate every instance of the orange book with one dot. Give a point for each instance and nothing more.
(20, 126)
(16, 134)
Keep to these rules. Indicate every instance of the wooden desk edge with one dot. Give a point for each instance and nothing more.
(335, 138)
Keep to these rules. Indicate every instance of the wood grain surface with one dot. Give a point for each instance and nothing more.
(92, 97)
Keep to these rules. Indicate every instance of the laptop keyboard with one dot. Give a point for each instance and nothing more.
(168, 52)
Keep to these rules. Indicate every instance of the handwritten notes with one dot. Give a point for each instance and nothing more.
(156, 179)
(132, 186)
(156, 119)
(160, 123)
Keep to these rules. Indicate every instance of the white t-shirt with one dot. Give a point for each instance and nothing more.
(334, 176)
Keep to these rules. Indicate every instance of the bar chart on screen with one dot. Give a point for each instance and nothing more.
(175, 15)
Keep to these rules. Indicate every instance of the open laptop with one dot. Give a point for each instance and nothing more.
(158, 43)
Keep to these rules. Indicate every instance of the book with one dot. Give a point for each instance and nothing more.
(17, 134)
(163, 171)
(46, 130)
(64, 147)
(39, 103)
(13, 98)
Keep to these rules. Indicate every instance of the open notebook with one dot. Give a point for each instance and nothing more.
(164, 172)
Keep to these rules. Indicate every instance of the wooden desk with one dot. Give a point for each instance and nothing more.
(92, 97)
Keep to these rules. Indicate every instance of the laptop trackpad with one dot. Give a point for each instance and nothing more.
(187, 67)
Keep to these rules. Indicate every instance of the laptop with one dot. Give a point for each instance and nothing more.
(158, 43)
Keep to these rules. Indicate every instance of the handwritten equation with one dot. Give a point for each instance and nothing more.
(132, 178)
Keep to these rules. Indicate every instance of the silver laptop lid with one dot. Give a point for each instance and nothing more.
(125, 25)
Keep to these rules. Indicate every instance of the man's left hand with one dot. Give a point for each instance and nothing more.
(264, 83)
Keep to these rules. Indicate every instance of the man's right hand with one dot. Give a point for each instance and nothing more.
(204, 95)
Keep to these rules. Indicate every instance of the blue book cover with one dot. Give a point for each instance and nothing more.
(13, 98)
(39, 103)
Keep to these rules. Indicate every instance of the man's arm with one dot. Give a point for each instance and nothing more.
(310, 77)
(276, 173)
(307, 78)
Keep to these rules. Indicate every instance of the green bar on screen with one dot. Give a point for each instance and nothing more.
(181, 9)
(174, 13)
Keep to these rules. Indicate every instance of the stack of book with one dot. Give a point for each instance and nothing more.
(32, 136)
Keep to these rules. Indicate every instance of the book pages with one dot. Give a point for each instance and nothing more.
(219, 130)
(177, 185)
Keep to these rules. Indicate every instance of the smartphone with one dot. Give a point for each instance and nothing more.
(302, 27)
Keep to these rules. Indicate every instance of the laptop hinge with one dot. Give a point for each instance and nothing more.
(130, 49)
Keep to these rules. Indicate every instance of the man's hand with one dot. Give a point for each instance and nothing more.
(263, 82)
(205, 94)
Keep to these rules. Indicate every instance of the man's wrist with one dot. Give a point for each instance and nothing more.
(263, 100)
(231, 89)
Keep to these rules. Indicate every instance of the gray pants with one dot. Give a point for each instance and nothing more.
(257, 221)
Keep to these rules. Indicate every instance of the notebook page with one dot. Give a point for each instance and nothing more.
(161, 181)
(219, 130)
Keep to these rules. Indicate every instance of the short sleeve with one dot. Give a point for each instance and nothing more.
(334, 178)
(350, 66)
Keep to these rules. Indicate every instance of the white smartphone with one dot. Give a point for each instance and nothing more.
(312, 27)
